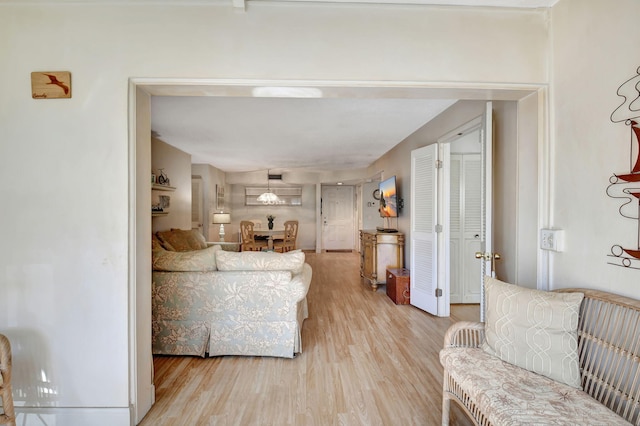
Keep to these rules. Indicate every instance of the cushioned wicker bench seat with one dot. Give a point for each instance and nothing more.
(510, 395)
(495, 392)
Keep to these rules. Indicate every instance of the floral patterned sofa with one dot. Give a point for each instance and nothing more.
(568, 357)
(216, 302)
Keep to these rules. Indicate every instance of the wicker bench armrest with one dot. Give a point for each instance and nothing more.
(467, 334)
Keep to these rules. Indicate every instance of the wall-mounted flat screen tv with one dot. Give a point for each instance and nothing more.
(388, 198)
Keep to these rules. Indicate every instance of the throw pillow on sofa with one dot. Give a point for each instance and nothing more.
(261, 261)
(155, 243)
(535, 330)
(182, 240)
(188, 261)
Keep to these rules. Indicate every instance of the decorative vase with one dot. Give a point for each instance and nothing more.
(270, 224)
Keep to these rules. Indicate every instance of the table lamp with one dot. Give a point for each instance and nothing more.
(221, 218)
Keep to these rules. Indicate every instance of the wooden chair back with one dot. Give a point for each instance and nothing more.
(8, 416)
(290, 235)
(248, 238)
(257, 224)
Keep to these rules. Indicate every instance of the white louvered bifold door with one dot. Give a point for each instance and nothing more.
(470, 238)
(456, 204)
(424, 185)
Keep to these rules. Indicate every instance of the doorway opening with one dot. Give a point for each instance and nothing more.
(140, 92)
(465, 214)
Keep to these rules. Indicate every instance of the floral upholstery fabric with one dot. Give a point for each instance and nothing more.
(257, 313)
(187, 261)
(261, 261)
(182, 240)
(510, 395)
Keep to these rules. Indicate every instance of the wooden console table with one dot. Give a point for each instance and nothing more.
(380, 251)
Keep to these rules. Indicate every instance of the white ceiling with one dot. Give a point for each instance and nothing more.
(301, 129)
(239, 134)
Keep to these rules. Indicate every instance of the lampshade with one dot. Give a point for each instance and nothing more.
(268, 197)
(221, 218)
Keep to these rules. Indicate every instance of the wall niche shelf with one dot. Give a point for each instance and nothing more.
(288, 195)
(158, 187)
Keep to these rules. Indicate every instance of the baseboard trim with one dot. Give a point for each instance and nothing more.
(38, 416)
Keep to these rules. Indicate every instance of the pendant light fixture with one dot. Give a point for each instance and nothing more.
(268, 197)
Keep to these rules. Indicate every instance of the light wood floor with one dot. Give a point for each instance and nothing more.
(365, 361)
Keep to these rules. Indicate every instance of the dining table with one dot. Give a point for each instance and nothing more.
(270, 233)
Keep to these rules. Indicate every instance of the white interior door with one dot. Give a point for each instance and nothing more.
(430, 219)
(470, 268)
(456, 229)
(338, 217)
(424, 207)
(464, 223)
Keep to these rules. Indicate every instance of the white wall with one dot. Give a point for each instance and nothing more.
(176, 164)
(530, 130)
(505, 190)
(594, 51)
(64, 255)
(370, 207)
(211, 178)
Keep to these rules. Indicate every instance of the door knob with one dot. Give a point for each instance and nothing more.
(489, 257)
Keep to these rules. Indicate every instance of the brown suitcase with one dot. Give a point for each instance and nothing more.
(398, 285)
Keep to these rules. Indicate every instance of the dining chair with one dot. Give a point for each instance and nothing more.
(8, 416)
(257, 224)
(249, 242)
(288, 243)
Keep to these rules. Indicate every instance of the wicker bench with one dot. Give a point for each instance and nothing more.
(494, 392)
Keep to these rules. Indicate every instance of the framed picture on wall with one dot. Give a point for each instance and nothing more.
(220, 197)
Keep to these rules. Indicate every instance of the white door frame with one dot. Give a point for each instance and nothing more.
(141, 89)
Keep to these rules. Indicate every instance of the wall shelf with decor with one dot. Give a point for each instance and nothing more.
(158, 187)
(160, 202)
